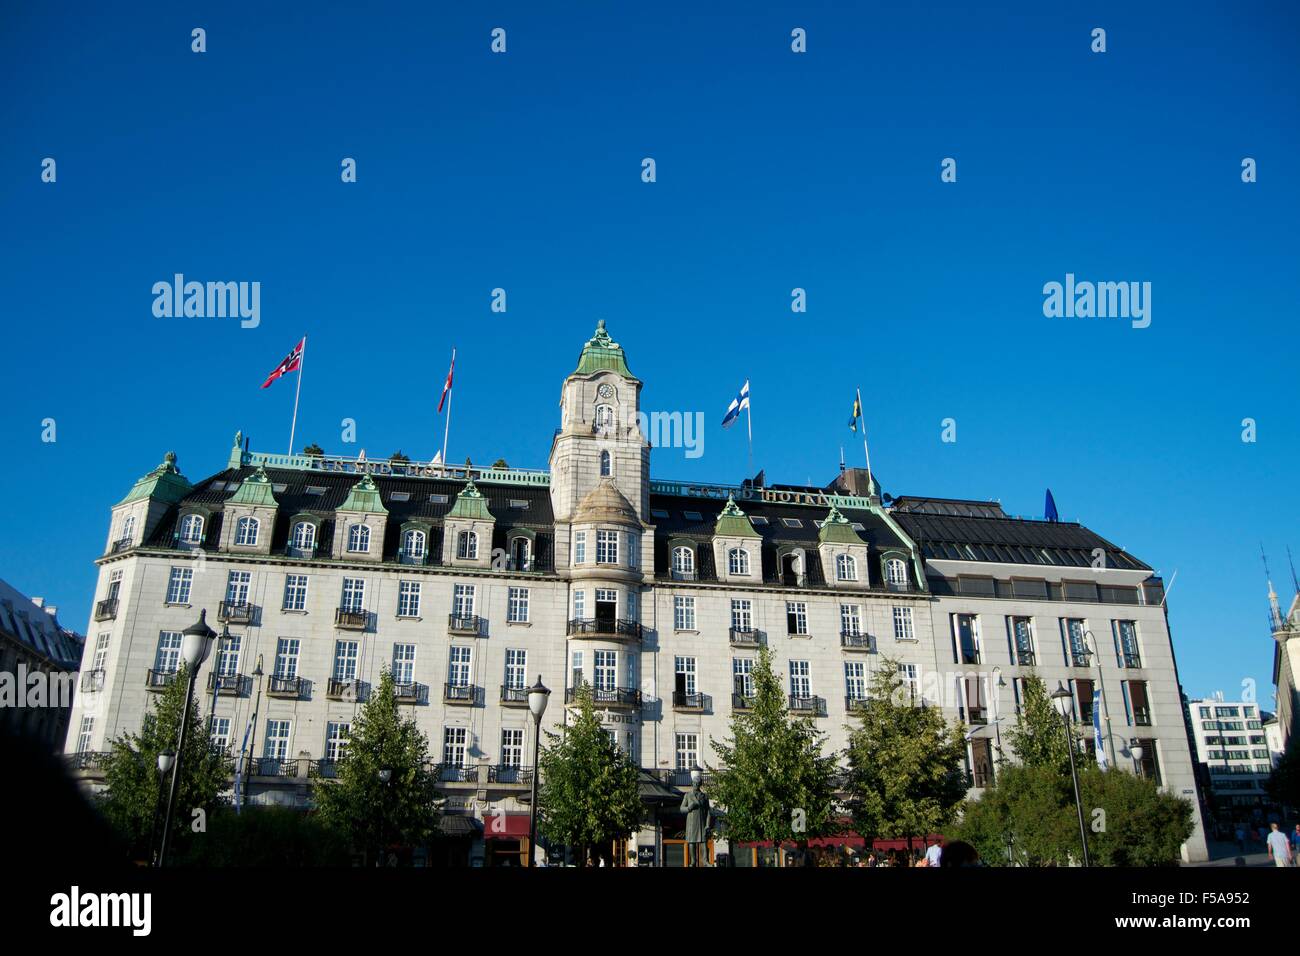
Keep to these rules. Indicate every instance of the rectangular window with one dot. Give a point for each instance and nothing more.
(169, 652)
(345, 660)
(1076, 642)
(688, 751)
(911, 680)
(742, 675)
(101, 650)
(633, 550)
(295, 592)
(354, 594)
(517, 612)
(903, 624)
(462, 601)
(968, 640)
(607, 547)
(228, 655)
(800, 682)
(84, 735)
(458, 666)
(742, 615)
(796, 617)
(684, 613)
(1140, 707)
(850, 619)
(237, 587)
(336, 739)
(408, 599)
(685, 670)
(453, 746)
(577, 668)
(579, 605)
(512, 747)
(1126, 633)
(579, 547)
(855, 680)
(221, 733)
(1023, 637)
(404, 663)
(178, 586)
(606, 670)
(114, 585)
(516, 667)
(277, 739)
(286, 658)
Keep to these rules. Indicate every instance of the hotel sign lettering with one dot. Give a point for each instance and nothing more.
(815, 499)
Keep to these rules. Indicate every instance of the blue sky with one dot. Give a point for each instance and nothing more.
(775, 171)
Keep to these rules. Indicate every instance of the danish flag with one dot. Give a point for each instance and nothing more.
(291, 363)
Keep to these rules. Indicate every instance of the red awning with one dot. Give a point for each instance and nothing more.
(509, 826)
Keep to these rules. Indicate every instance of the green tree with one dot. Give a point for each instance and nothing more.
(500, 463)
(398, 456)
(906, 763)
(267, 836)
(1037, 736)
(314, 450)
(588, 792)
(367, 812)
(775, 782)
(135, 795)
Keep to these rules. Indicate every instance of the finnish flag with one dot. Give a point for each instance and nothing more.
(738, 404)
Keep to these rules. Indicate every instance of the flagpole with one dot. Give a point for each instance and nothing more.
(446, 428)
(749, 423)
(302, 360)
(863, 417)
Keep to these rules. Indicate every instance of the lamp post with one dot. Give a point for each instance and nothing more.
(252, 743)
(997, 721)
(538, 695)
(385, 777)
(196, 644)
(1064, 706)
(223, 640)
(165, 758)
(1090, 642)
(1135, 749)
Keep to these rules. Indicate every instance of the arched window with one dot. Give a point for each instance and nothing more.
(304, 536)
(413, 544)
(467, 546)
(684, 563)
(359, 539)
(521, 553)
(192, 529)
(246, 531)
(606, 465)
(128, 528)
(896, 573)
(846, 569)
(604, 419)
(738, 561)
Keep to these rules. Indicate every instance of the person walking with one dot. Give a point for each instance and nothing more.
(1279, 847)
(934, 853)
(1295, 839)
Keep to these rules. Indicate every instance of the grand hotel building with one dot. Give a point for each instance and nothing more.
(467, 583)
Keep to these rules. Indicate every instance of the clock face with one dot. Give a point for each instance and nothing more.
(605, 391)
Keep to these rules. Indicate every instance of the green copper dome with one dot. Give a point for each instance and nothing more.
(470, 503)
(732, 522)
(364, 496)
(602, 354)
(164, 483)
(837, 529)
(255, 490)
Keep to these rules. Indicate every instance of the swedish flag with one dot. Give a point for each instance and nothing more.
(857, 413)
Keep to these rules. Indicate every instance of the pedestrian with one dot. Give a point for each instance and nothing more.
(934, 853)
(1241, 838)
(1295, 838)
(1279, 847)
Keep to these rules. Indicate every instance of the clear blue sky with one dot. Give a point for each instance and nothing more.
(775, 170)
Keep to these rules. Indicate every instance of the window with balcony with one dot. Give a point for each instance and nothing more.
(191, 531)
(221, 733)
(345, 661)
(415, 545)
(462, 600)
(605, 670)
(228, 656)
(403, 664)
(276, 746)
(850, 620)
(167, 658)
(521, 554)
(286, 658)
(454, 741)
(742, 615)
(516, 674)
(354, 595)
(458, 666)
(800, 679)
(85, 734)
(303, 538)
(358, 539)
(742, 675)
(246, 531)
(683, 564)
(127, 534)
(512, 747)
(855, 681)
(336, 739)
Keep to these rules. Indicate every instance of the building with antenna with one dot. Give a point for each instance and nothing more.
(466, 583)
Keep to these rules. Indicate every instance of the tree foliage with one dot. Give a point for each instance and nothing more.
(135, 795)
(775, 782)
(1037, 736)
(588, 790)
(368, 813)
(314, 450)
(267, 836)
(906, 775)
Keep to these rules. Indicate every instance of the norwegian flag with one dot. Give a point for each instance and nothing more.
(446, 386)
(291, 363)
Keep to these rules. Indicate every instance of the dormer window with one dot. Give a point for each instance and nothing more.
(846, 568)
(304, 536)
(359, 539)
(467, 546)
(683, 564)
(246, 532)
(896, 573)
(738, 561)
(192, 529)
(521, 554)
(414, 544)
(606, 465)
(128, 528)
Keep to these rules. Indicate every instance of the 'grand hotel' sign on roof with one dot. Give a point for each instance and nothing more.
(783, 496)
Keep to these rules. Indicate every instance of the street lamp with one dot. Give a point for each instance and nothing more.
(223, 640)
(165, 758)
(196, 644)
(538, 695)
(1090, 642)
(1065, 706)
(1135, 749)
(385, 775)
(252, 744)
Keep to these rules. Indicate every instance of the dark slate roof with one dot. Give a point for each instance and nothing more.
(33, 625)
(1010, 540)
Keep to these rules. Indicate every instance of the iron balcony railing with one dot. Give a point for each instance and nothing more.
(692, 702)
(227, 684)
(86, 760)
(350, 620)
(469, 624)
(510, 774)
(608, 696)
(349, 689)
(121, 544)
(277, 766)
(679, 777)
(678, 575)
(406, 557)
(852, 704)
(514, 696)
(855, 641)
(106, 609)
(459, 693)
(289, 688)
(745, 637)
(158, 680)
(742, 701)
(92, 680)
(608, 628)
(808, 705)
(235, 612)
(451, 773)
(325, 767)
(410, 692)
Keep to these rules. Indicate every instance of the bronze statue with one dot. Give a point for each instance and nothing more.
(695, 804)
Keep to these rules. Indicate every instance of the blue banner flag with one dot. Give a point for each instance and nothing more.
(1049, 508)
(738, 404)
(1100, 745)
